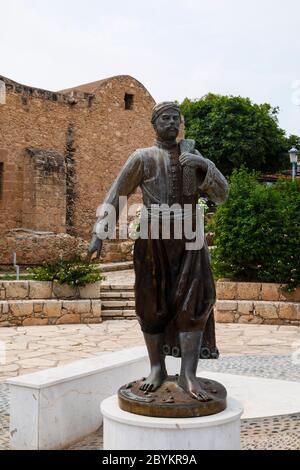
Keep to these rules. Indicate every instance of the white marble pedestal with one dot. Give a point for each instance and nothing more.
(129, 431)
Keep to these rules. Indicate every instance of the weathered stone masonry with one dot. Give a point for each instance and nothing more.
(59, 154)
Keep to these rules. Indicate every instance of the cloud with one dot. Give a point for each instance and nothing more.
(176, 49)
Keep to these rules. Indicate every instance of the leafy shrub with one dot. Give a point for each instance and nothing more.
(74, 272)
(257, 231)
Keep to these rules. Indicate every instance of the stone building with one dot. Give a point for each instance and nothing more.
(59, 153)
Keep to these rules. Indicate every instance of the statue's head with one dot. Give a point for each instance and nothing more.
(166, 119)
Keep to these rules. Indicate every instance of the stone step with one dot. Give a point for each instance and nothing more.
(116, 287)
(120, 313)
(109, 304)
(49, 312)
(111, 267)
(116, 295)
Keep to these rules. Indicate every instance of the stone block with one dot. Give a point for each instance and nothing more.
(69, 318)
(266, 310)
(248, 290)
(225, 317)
(273, 321)
(270, 291)
(35, 321)
(21, 309)
(90, 291)
(226, 305)
(77, 306)
(245, 307)
(2, 294)
(16, 290)
(5, 307)
(250, 319)
(226, 290)
(96, 308)
(52, 308)
(40, 290)
(289, 311)
(64, 291)
(293, 296)
(38, 307)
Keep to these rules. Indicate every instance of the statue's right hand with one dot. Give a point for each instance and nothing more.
(95, 247)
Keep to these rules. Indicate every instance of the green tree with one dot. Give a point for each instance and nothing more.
(232, 131)
(293, 141)
(257, 231)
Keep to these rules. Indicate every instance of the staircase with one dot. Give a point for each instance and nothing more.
(118, 301)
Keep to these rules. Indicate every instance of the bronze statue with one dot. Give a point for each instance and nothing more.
(174, 287)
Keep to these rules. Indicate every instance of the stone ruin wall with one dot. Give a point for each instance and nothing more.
(60, 154)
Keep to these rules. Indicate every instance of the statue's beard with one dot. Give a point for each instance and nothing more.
(167, 135)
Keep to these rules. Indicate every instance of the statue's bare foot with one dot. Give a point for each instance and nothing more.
(192, 386)
(156, 377)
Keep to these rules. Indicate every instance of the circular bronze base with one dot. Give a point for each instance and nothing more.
(171, 401)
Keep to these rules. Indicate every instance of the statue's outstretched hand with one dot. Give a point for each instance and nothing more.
(95, 247)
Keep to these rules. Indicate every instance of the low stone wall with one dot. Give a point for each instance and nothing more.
(49, 312)
(47, 303)
(27, 290)
(227, 290)
(254, 302)
(24, 303)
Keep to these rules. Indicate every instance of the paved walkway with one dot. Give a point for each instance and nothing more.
(29, 349)
(262, 350)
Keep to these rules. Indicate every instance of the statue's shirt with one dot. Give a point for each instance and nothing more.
(159, 174)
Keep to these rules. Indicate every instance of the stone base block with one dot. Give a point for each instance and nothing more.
(123, 430)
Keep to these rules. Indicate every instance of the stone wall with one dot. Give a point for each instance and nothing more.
(44, 190)
(260, 303)
(94, 133)
(43, 303)
(34, 248)
(46, 303)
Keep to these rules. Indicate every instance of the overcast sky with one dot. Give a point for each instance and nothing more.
(176, 48)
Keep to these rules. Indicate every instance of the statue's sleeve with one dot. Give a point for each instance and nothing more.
(129, 178)
(213, 183)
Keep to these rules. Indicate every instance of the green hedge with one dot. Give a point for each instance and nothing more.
(257, 231)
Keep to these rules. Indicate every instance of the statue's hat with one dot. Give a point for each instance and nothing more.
(161, 107)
